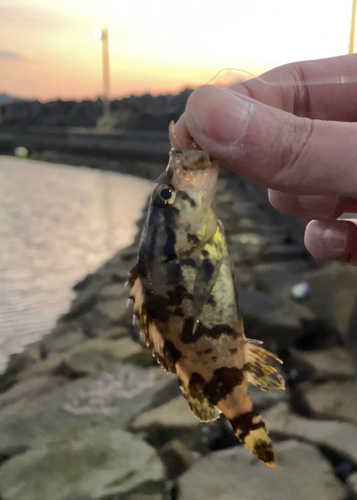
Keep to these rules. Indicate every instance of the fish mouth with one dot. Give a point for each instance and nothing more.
(192, 159)
(192, 170)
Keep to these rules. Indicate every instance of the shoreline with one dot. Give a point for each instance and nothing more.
(58, 223)
(90, 388)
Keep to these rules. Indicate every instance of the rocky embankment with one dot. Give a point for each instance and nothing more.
(135, 113)
(85, 414)
(136, 127)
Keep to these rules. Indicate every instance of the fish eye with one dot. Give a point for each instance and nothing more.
(166, 194)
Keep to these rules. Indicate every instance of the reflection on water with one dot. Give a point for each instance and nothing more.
(57, 223)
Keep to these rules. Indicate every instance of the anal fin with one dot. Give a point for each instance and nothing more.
(199, 405)
(260, 371)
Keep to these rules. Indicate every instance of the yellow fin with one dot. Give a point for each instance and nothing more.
(147, 328)
(199, 405)
(260, 371)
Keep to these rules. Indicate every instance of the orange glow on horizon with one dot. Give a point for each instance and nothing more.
(49, 52)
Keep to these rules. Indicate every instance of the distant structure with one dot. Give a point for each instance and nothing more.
(351, 45)
(102, 34)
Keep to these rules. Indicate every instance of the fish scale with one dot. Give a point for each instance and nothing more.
(186, 301)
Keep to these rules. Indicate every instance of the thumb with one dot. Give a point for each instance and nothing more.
(272, 147)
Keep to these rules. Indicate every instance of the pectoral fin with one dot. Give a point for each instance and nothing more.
(206, 277)
(207, 272)
(260, 372)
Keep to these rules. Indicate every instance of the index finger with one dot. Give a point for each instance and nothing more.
(324, 89)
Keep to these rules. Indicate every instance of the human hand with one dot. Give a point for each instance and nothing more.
(295, 138)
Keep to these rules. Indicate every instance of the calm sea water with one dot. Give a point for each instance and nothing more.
(57, 223)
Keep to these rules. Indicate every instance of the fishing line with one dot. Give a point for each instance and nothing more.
(237, 78)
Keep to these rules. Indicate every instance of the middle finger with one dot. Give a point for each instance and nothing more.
(320, 207)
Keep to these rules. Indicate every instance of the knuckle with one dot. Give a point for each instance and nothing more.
(292, 146)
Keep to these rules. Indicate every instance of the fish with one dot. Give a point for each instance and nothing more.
(186, 304)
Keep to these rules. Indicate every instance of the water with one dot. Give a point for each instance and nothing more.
(57, 224)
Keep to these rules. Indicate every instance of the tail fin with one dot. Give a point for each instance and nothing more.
(251, 431)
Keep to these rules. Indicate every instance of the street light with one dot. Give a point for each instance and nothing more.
(102, 34)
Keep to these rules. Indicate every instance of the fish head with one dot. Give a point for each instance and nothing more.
(186, 191)
(192, 176)
(181, 215)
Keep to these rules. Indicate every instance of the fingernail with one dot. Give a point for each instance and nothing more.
(218, 114)
(336, 239)
(319, 206)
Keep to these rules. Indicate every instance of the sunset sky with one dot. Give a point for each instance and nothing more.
(47, 50)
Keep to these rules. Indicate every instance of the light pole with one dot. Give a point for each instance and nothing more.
(351, 45)
(102, 34)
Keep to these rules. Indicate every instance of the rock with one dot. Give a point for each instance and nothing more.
(173, 414)
(131, 113)
(120, 275)
(83, 302)
(138, 496)
(102, 465)
(113, 332)
(95, 356)
(248, 247)
(333, 400)
(114, 290)
(94, 323)
(300, 291)
(340, 437)
(29, 389)
(17, 364)
(49, 366)
(273, 284)
(301, 473)
(269, 317)
(63, 337)
(129, 255)
(333, 297)
(332, 363)
(78, 496)
(86, 281)
(174, 420)
(106, 402)
(281, 252)
(21, 152)
(263, 400)
(273, 278)
(352, 483)
(176, 457)
(116, 310)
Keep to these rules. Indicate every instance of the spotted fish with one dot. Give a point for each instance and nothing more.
(186, 303)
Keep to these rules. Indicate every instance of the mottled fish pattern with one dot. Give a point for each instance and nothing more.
(186, 303)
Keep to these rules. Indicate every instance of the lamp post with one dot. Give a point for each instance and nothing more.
(351, 45)
(102, 34)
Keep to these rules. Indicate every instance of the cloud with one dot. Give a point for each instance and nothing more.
(5, 54)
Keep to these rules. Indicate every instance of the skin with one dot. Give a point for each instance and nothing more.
(294, 135)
